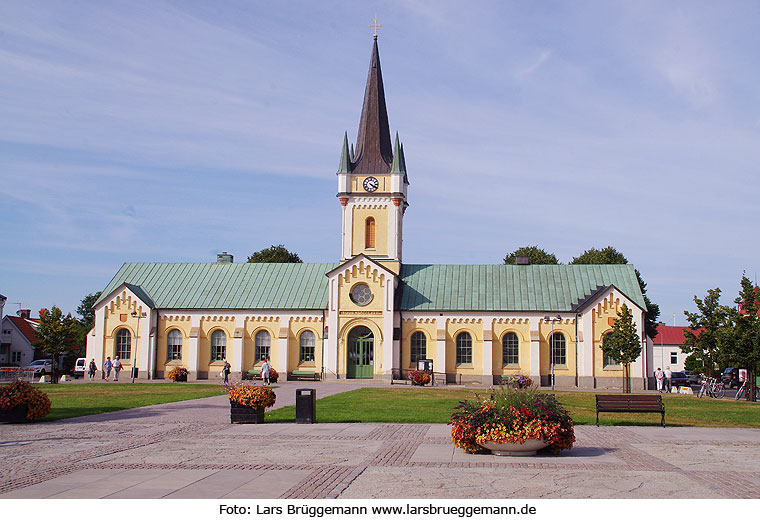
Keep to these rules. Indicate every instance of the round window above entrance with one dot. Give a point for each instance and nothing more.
(361, 294)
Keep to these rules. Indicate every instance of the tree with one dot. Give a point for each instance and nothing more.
(535, 254)
(623, 344)
(86, 321)
(56, 334)
(740, 338)
(701, 338)
(274, 254)
(610, 255)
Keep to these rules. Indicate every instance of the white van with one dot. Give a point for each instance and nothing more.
(80, 367)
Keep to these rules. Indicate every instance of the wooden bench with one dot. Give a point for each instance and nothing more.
(304, 374)
(629, 403)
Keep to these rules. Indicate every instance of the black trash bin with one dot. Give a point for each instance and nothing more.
(306, 405)
(135, 372)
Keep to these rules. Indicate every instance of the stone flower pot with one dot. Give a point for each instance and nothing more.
(528, 448)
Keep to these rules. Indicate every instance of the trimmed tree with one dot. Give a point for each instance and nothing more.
(623, 344)
(741, 336)
(274, 254)
(701, 338)
(535, 254)
(56, 335)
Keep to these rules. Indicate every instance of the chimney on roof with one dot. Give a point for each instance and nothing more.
(25, 313)
(224, 257)
(522, 260)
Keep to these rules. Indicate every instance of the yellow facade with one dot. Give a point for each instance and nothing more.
(521, 327)
(429, 327)
(253, 325)
(118, 315)
(166, 324)
(475, 329)
(210, 324)
(298, 326)
(567, 328)
(604, 316)
(360, 215)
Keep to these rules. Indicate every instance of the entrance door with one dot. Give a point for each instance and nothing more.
(361, 353)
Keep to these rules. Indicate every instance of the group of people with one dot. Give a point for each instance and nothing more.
(116, 367)
(663, 379)
(108, 366)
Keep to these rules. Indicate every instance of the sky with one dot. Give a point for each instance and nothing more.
(174, 130)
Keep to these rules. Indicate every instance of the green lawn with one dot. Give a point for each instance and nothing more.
(68, 401)
(434, 405)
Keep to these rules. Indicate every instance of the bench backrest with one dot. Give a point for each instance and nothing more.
(626, 401)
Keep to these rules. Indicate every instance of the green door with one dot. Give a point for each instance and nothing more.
(361, 353)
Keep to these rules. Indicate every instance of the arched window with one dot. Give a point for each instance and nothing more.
(370, 233)
(306, 343)
(608, 361)
(559, 348)
(262, 346)
(418, 346)
(174, 345)
(464, 349)
(510, 349)
(123, 344)
(218, 345)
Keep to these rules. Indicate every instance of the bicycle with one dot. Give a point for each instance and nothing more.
(712, 387)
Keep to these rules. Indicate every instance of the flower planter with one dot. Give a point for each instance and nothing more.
(242, 414)
(16, 414)
(528, 448)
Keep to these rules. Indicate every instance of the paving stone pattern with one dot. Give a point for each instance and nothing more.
(190, 450)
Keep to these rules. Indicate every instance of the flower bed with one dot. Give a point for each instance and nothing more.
(251, 396)
(177, 374)
(20, 394)
(518, 381)
(511, 416)
(418, 377)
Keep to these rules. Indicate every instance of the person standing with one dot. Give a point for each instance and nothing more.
(226, 371)
(265, 369)
(668, 377)
(107, 368)
(117, 366)
(92, 369)
(660, 377)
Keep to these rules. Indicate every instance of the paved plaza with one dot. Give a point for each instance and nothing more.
(190, 450)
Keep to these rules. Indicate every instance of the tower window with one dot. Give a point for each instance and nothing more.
(370, 233)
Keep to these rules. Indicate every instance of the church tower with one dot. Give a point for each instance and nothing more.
(372, 181)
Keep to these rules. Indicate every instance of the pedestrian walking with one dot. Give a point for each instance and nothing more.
(92, 369)
(660, 377)
(107, 365)
(265, 369)
(117, 366)
(226, 371)
(668, 377)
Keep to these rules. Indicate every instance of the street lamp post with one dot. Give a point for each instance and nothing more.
(551, 343)
(137, 338)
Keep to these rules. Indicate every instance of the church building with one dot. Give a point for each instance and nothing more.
(370, 315)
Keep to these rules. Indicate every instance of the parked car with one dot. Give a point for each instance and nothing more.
(41, 367)
(731, 377)
(679, 379)
(694, 379)
(79, 368)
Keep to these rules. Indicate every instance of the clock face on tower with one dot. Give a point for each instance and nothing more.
(370, 184)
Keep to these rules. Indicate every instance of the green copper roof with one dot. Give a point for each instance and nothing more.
(303, 286)
(511, 287)
(281, 286)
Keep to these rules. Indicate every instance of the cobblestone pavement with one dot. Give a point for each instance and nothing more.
(190, 450)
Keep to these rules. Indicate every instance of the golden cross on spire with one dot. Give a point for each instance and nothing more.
(375, 25)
